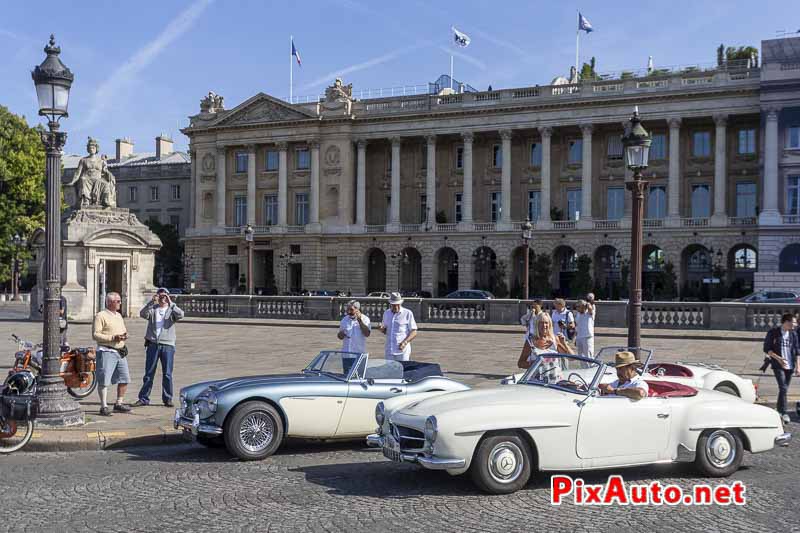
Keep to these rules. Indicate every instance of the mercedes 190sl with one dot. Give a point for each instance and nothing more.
(554, 418)
(334, 397)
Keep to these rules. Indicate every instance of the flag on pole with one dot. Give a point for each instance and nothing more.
(296, 54)
(461, 39)
(584, 24)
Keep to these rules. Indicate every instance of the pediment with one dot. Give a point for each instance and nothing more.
(263, 108)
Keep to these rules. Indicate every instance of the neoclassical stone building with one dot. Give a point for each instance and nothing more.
(429, 192)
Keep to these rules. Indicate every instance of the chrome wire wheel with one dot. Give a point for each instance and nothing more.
(256, 431)
(721, 448)
(505, 462)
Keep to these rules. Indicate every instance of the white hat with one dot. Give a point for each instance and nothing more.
(395, 298)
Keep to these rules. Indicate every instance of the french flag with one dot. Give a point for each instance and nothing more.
(296, 54)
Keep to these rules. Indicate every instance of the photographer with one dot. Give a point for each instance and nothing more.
(354, 329)
(783, 349)
(563, 319)
(110, 333)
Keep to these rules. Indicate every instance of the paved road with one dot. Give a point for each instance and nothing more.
(344, 487)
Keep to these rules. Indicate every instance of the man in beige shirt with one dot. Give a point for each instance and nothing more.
(112, 364)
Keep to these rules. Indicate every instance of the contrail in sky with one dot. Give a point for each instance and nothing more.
(469, 59)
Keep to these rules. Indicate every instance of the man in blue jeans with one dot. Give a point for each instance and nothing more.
(159, 339)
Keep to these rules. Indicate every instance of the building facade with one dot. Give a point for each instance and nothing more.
(428, 193)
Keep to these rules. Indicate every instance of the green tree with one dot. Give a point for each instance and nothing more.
(588, 71)
(582, 282)
(500, 287)
(733, 53)
(169, 259)
(542, 270)
(22, 188)
(668, 283)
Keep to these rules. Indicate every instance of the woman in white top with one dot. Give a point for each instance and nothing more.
(543, 342)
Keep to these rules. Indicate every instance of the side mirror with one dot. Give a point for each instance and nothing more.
(370, 381)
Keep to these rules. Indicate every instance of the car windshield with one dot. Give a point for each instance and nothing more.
(335, 364)
(570, 373)
(606, 355)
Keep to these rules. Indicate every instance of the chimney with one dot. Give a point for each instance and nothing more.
(163, 146)
(124, 148)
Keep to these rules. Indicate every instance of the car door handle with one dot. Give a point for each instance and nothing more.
(663, 415)
(395, 390)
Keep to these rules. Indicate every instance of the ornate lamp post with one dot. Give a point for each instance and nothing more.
(400, 258)
(287, 259)
(248, 237)
(637, 150)
(16, 242)
(527, 235)
(53, 81)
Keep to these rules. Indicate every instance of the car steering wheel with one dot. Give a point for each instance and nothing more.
(581, 384)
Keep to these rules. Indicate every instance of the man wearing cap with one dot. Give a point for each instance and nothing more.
(629, 383)
(161, 314)
(400, 328)
(354, 329)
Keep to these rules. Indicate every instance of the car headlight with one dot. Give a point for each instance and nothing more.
(182, 400)
(431, 429)
(380, 414)
(209, 399)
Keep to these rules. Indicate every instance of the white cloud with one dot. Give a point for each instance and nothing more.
(126, 73)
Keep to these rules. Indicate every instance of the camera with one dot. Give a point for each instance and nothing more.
(765, 365)
(562, 324)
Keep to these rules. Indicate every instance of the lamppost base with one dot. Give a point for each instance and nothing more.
(56, 409)
(61, 420)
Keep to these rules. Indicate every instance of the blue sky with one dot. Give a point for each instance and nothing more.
(142, 67)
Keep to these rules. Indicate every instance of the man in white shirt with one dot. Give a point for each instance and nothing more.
(354, 329)
(584, 325)
(561, 313)
(400, 328)
(629, 382)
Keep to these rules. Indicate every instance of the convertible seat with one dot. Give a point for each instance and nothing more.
(417, 370)
(671, 369)
(669, 389)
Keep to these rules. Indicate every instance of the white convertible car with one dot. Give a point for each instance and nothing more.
(555, 419)
(699, 375)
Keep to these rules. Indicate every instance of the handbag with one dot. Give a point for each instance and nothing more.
(123, 352)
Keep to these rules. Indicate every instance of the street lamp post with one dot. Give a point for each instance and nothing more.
(17, 242)
(637, 149)
(53, 81)
(248, 237)
(527, 235)
(401, 258)
(287, 259)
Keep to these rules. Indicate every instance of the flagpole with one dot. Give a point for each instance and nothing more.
(451, 72)
(291, 68)
(577, 47)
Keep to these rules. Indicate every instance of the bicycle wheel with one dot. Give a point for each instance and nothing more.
(15, 434)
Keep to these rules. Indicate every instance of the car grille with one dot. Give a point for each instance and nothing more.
(410, 439)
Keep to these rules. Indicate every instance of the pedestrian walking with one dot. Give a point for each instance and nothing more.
(584, 328)
(109, 330)
(400, 328)
(561, 315)
(354, 329)
(783, 352)
(530, 322)
(161, 314)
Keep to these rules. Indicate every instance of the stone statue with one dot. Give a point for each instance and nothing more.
(338, 91)
(96, 184)
(212, 103)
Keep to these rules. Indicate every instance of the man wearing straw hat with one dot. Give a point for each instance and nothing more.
(400, 328)
(629, 383)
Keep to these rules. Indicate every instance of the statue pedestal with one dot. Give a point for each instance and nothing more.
(102, 250)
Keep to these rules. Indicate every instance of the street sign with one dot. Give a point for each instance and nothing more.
(711, 280)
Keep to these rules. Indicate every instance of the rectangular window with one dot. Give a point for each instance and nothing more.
(616, 203)
(458, 216)
(424, 157)
(133, 194)
(497, 156)
(303, 159)
(331, 264)
(154, 193)
(747, 141)
(657, 202)
(536, 154)
(793, 195)
(701, 144)
(746, 199)
(575, 154)
(534, 205)
(460, 157)
(423, 208)
(154, 218)
(233, 249)
(239, 210)
(793, 137)
(658, 148)
(614, 148)
(294, 249)
(573, 204)
(176, 192)
(301, 208)
(206, 269)
(175, 221)
(271, 161)
(701, 201)
(271, 209)
(496, 205)
(241, 162)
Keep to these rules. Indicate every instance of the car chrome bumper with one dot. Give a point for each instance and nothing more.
(783, 439)
(193, 424)
(375, 441)
(431, 463)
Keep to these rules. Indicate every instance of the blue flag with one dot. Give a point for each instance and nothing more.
(296, 54)
(584, 24)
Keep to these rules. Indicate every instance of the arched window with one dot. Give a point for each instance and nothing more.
(790, 258)
(745, 259)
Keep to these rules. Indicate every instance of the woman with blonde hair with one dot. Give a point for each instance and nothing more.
(544, 342)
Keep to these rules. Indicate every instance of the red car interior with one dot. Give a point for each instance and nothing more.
(670, 369)
(668, 389)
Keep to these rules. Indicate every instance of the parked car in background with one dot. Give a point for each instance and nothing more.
(472, 294)
(323, 292)
(378, 295)
(771, 297)
(416, 294)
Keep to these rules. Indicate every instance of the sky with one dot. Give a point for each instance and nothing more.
(142, 67)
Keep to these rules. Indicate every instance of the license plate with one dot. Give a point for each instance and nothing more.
(391, 449)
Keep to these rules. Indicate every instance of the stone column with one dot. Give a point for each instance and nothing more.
(505, 178)
(394, 206)
(674, 177)
(466, 193)
(314, 199)
(720, 217)
(430, 182)
(586, 177)
(251, 184)
(771, 213)
(220, 193)
(197, 193)
(283, 182)
(544, 196)
(361, 183)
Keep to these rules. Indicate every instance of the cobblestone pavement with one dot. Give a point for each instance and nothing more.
(344, 487)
